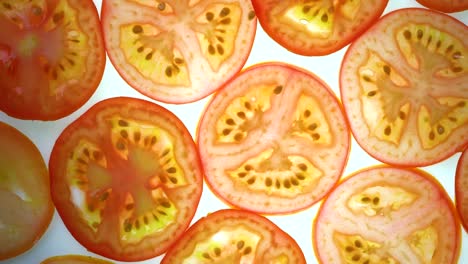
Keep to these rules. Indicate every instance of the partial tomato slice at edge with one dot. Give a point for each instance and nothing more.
(126, 178)
(387, 214)
(235, 236)
(26, 208)
(402, 86)
(52, 57)
(447, 6)
(74, 259)
(461, 189)
(316, 27)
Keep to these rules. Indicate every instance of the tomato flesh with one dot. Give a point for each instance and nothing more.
(178, 52)
(402, 85)
(387, 215)
(52, 57)
(273, 140)
(316, 27)
(235, 236)
(461, 189)
(126, 179)
(26, 207)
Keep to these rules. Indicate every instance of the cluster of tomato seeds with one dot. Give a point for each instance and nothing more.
(126, 176)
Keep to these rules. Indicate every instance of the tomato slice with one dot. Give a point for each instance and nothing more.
(321, 27)
(447, 6)
(52, 57)
(74, 259)
(461, 189)
(403, 86)
(126, 179)
(387, 215)
(26, 207)
(273, 140)
(235, 236)
(178, 51)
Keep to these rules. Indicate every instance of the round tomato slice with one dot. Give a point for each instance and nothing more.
(447, 6)
(26, 207)
(316, 27)
(387, 215)
(126, 179)
(178, 51)
(273, 140)
(235, 236)
(52, 57)
(461, 189)
(74, 259)
(403, 86)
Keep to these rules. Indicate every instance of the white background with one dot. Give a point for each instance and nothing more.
(58, 241)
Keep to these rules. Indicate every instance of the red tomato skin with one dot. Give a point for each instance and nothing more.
(443, 6)
(24, 144)
(461, 188)
(60, 191)
(408, 163)
(262, 9)
(442, 194)
(30, 110)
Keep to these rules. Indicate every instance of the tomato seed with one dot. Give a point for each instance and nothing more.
(268, 182)
(149, 56)
(357, 243)
(419, 34)
(388, 131)
(449, 49)
(162, 6)
(356, 257)
(251, 15)
(240, 244)
(220, 49)
(313, 126)
(324, 18)
(349, 249)
(137, 29)
(57, 17)
(457, 55)
(407, 34)
(169, 71)
(217, 251)
(307, 113)
(251, 180)
(247, 250)
(224, 12)
(226, 21)
(124, 133)
(209, 16)
(440, 129)
(7, 6)
(306, 9)
(431, 135)
(171, 170)
(173, 180)
(316, 136)
(402, 115)
(278, 89)
(387, 69)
